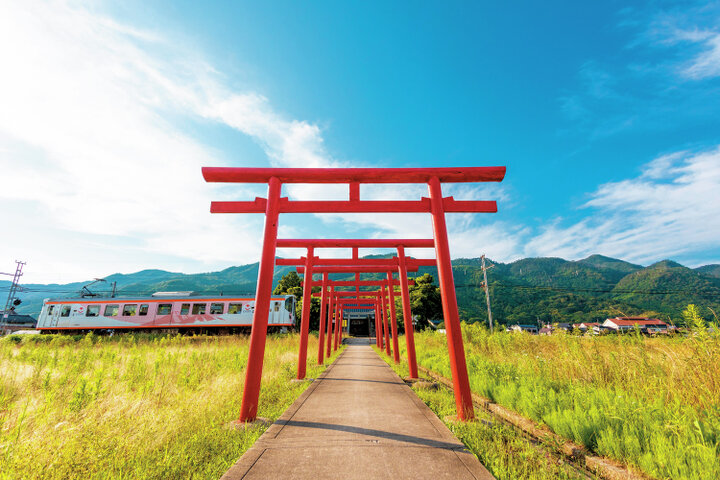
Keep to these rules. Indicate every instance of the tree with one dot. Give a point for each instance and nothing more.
(290, 280)
(425, 302)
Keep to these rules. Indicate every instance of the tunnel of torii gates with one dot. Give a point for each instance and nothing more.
(311, 264)
(325, 302)
(436, 205)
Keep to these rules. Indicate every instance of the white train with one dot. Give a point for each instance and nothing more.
(174, 313)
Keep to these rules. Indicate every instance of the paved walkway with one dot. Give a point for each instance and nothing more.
(358, 420)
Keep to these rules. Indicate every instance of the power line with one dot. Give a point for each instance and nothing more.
(588, 290)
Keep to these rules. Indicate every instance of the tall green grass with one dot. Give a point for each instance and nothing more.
(652, 403)
(133, 406)
(506, 453)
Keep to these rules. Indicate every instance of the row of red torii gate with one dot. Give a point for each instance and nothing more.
(333, 301)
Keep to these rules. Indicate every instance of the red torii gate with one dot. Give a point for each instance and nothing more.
(362, 283)
(357, 284)
(401, 262)
(436, 205)
(366, 299)
(390, 302)
(354, 244)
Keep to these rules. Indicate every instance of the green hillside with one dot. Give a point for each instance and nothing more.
(530, 290)
(710, 270)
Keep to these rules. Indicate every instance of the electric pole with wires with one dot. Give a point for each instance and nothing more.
(487, 291)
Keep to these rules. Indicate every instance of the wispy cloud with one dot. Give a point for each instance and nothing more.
(659, 74)
(667, 211)
(101, 175)
(92, 150)
(693, 32)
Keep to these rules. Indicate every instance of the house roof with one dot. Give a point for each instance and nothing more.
(14, 318)
(630, 321)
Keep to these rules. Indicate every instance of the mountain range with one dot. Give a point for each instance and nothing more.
(530, 290)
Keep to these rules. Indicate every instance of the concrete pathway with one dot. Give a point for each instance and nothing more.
(358, 420)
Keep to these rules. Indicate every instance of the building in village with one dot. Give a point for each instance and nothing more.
(549, 328)
(586, 327)
(12, 322)
(533, 329)
(646, 325)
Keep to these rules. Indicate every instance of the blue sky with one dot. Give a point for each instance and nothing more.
(605, 113)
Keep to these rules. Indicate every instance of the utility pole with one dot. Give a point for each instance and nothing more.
(13, 287)
(487, 292)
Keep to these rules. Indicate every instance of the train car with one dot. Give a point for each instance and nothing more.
(168, 313)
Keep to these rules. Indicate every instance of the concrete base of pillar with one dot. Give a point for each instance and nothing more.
(301, 380)
(455, 419)
(238, 425)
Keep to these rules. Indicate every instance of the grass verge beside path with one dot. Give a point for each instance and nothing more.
(650, 403)
(134, 406)
(506, 453)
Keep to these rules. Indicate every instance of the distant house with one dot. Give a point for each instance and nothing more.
(524, 328)
(12, 322)
(549, 328)
(645, 324)
(586, 326)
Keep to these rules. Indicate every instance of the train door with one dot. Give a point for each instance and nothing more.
(64, 319)
(274, 310)
(54, 315)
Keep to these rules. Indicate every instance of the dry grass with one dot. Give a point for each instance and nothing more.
(135, 406)
(653, 403)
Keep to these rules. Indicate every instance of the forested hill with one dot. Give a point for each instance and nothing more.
(530, 290)
(546, 290)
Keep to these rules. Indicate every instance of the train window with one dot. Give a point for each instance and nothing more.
(111, 310)
(217, 308)
(277, 306)
(164, 309)
(185, 309)
(65, 311)
(289, 304)
(129, 310)
(92, 311)
(235, 308)
(50, 309)
(199, 308)
(143, 309)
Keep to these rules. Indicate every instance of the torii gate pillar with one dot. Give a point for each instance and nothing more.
(393, 316)
(407, 314)
(258, 334)
(321, 324)
(305, 319)
(456, 349)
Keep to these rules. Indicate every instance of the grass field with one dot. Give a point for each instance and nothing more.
(652, 403)
(507, 454)
(133, 406)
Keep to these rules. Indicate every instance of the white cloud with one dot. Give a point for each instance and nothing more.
(93, 161)
(99, 177)
(706, 64)
(87, 144)
(671, 209)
